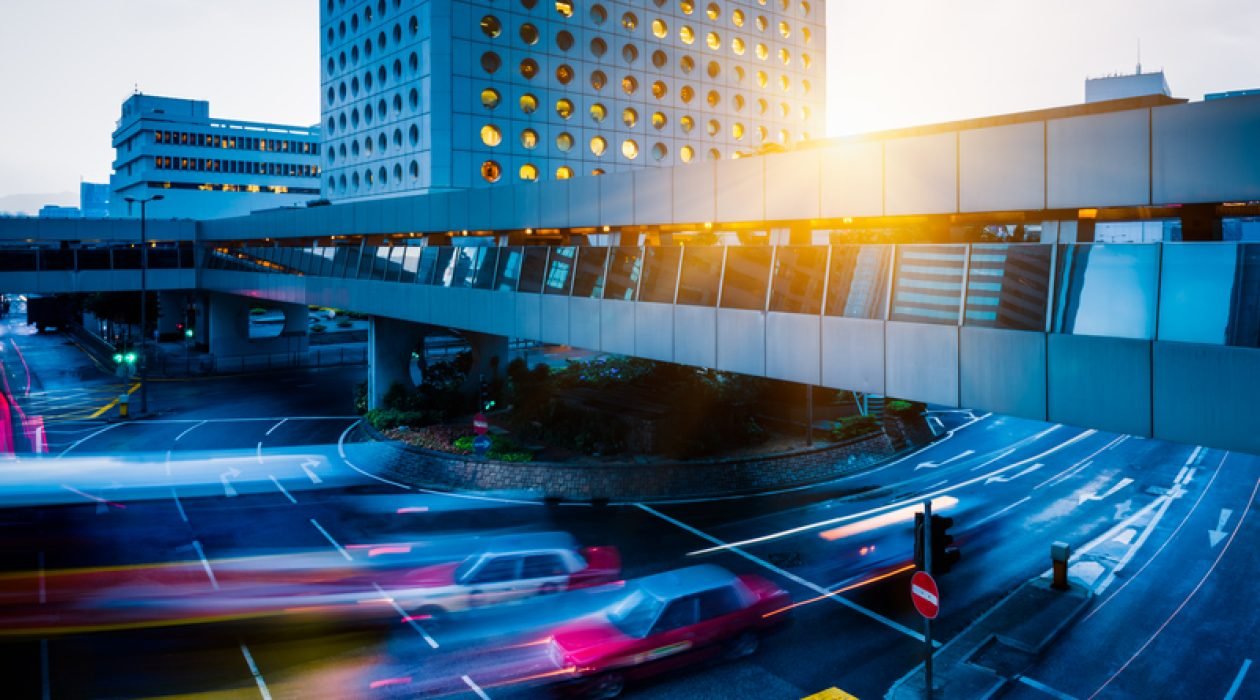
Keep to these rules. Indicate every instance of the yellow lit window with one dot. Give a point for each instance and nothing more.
(686, 94)
(564, 172)
(737, 45)
(630, 149)
(761, 51)
(762, 79)
(714, 127)
(489, 98)
(565, 8)
(629, 116)
(713, 11)
(737, 131)
(784, 56)
(629, 84)
(805, 35)
(687, 34)
(564, 141)
(713, 41)
(737, 18)
(785, 30)
(738, 101)
(629, 21)
(783, 136)
(598, 145)
(686, 154)
(761, 23)
(659, 121)
(659, 29)
(598, 112)
(713, 98)
(529, 103)
(659, 90)
(687, 123)
(784, 82)
(598, 80)
(529, 171)
(491, 27)
(491, 136)
(529, 139)
(687, 6)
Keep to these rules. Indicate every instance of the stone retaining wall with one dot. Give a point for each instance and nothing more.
(618, 482)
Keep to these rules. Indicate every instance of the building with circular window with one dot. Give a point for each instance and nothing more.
(511, 90)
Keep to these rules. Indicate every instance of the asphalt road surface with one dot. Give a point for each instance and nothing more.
(246, 471)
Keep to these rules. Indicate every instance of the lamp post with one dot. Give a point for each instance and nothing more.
(144, 293)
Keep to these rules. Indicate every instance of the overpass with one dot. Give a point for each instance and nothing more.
(1155, 339)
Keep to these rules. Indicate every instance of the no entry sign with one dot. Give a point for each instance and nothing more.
(925, 595)
(480, 424)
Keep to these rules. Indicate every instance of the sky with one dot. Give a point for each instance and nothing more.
(67, 65)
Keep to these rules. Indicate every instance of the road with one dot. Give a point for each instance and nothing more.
(248, 469)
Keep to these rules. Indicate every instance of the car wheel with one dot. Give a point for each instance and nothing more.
(744, 645)
(606, 687)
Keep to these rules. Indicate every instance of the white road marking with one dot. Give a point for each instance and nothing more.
(341, 450)
(258, 452)
(476, 688)
(894, 506)
(307, 469)
(329, 537)
(1094, 496)
(205, 564)
(167, 463)
(1080, 466)
(272, 429)
(1043, 688)
(407, 618)
(1188, 597)
(75, 444)
(933, 465)
(283, 489)
(1116, 443)
(1215, 536)
(942, 482)
(1021, 501)
(228, 490)
(253, 669)
(179, 506)
(987, 462)
(999, 479)
(190, 429)
(721, 546)
(1242, 673)
(100, 502)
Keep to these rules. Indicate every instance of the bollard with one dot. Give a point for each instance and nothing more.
(123, 400)
(1059, 553)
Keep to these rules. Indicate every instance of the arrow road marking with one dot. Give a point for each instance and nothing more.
(955, 458)
(307, 467)
(1215, 536)
(223, 479)
(1110, 492)
(1123, 509)
(999, 479)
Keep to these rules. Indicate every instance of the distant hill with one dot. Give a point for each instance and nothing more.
(29, 204)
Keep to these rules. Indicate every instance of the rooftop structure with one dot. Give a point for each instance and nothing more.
(1119, 87)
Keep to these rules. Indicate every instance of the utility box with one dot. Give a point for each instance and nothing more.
(1059, 554)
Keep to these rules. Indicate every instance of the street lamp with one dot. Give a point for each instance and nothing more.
(144, 293)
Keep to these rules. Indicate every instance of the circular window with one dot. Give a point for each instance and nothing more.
(784, 82)
(529, 4)
(761, 51)
(629, 116)
(491, 27)
(738, 101)
(529, 68)
(714, 127)
(414, 170)
(761, 78)
(761, 23)
(529, 171)
(805, 86)
(785, 30)
(564, 141)
(659, 120)
(806, 61)
(686, 154)
(784, 56)
(713, 98)
(598, 112)
(687, 64)
(629, 21)
(687, 6)
(629, 85)
(687, 34)
(598, 14)
(686, 94)
(713, 11)
(737, 18)
(659, 29)
(564, 8)
(784, 109)
(599, 47)
(598, 145)
(564, 172)
(397, 171)
(398, 137)
(630, 149)
(597, 171)
(713, 41)
(805, 35)
(490, 98)
(715, 154)
(805, 113)
(659, 151)
(687, 123)
(714, 69)
(491, 171)
(659, 90)
(737, 131)
(368, 177)
(529, 33)
(762, 105)
(564, 74)
(529, 139)
(659, 59)
(804, 8)
(491, 136)
(629, 53)
(737, 46)
(529, 103)
(761, 134)
(564, 40)
(564, 108)
(490, 62)
(382, 175)
(598, 80)
(783, 136)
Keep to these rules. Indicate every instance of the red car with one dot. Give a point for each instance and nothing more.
(666, 621)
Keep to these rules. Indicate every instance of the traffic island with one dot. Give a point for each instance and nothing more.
(1003, 643)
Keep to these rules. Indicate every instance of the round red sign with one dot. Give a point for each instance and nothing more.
(925, 595)
(480, 424)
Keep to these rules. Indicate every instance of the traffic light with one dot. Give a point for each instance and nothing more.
(188, 333)
(944, 554)
(484, 393)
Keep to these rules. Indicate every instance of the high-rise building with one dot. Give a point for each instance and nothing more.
(94, 200)
(207, 167)
(429, 95)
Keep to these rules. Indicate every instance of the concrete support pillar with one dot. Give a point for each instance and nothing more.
(229, 328)
(390, 344)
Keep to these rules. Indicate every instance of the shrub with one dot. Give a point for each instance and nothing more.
(344, 323)
(318, 328)
(360, 398)
(854, 426)
(439, 437)
(388, 418)
(257, 311)
(900, 406)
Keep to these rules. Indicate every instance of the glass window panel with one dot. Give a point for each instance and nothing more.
(1008, 286)
(701, 273)
(55, 259)
(660, 274)
(1107, 289)
(797, 283)
(18, 260)
(444, 271)
(127, 258)
(623, 273)
(410, 263)
(89, 258)
(162, 258)
(508, 272)
(857, 285)
(394, 270)
(532, 268)
(928, 287)
(428, 265)
(588, 282)
(486, 266)
(187, 256)
(1210, 293)
(380, 263)
(465, 266)
(746, 278)
(560, 270)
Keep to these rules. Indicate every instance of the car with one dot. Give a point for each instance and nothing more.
(666, 621)
(505, 568)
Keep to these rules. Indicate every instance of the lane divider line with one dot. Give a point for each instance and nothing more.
(283, 489)
(82, 440)
(1043, 688)
(475, 688)
(205, 564)
(341, 450)
(189, 430)
(405, 617)
(787, 574)
(272, 429)
(340, 549)
(253, 669)
(1242, 673)
(179, 506)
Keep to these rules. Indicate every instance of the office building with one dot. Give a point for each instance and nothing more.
(94, 200)
(208, 167)
(420, 96)
(1119, 87)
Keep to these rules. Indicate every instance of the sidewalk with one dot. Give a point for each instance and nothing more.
(998, 647)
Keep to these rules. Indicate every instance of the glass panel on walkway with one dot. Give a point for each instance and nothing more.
(799, 275)
(1107, 289)
(857, 285)
(747, 277)
(1008, 286)
(928, 286)
(701, 275)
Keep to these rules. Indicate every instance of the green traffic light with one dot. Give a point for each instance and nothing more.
(131, 358)
(188, 333)
(118, 358)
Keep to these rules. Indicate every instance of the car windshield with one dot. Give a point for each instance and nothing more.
(635, 614)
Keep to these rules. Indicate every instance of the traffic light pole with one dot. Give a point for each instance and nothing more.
(927, 622)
